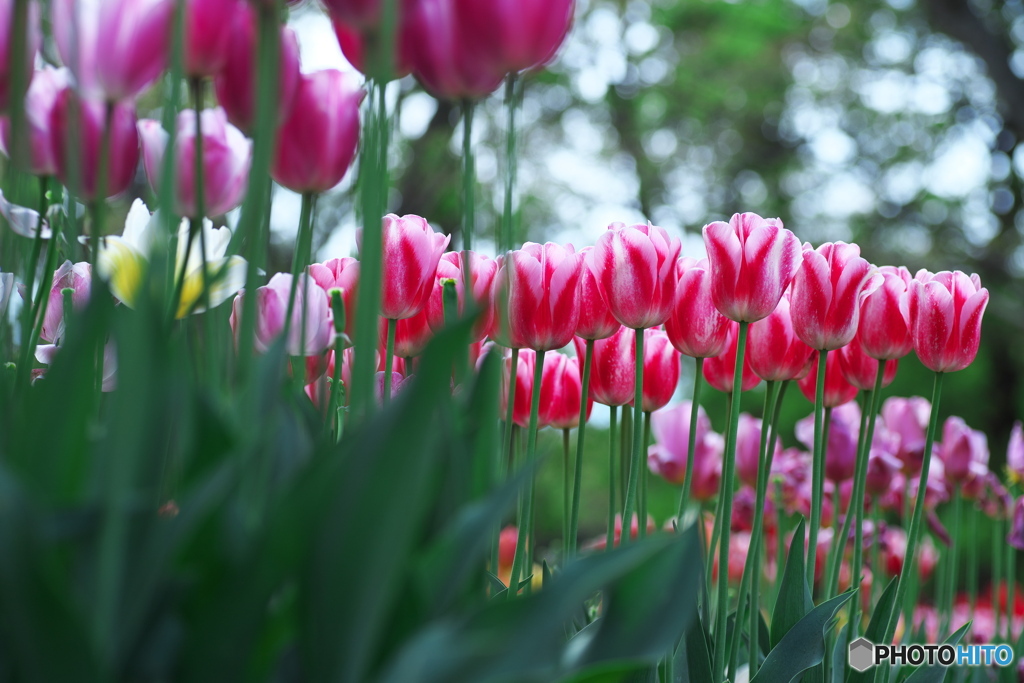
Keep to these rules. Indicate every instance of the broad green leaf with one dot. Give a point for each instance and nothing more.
(698, 655)
(794, 599)
(936, 674)
(875, 631)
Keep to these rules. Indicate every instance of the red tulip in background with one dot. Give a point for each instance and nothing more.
(534, 296)
(774, 351)
(411, 250)
(411, 334)
(718, 371)
(596, 319)
(481, 273)
(752, 260)
(514, 36)
(885, 303)
(227, 155)
(695, 327)
(635, 267)
(667, 457)
(945, 317)
(47, 84)
(612, 376)
(860, 369)
(31, 46)
(837, 390)
(207, 35)
(560, 392)
(343, 274)
(317, 140)
(84, 137)
(661, 370)
(440, 58)
(235, 85)
(826, 290)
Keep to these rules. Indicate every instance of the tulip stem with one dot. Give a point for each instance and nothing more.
(505, 454)
(35, 308)
(633, 481)
(876, 550)
(951, 572)
(613, 439)
(300, 259)
(577, 485)
(468, 176)
(505, 239)
(1011, 590)
(914, 534)
(972, 560)
(643, 474)
(716, 527)
(99, 201)
(691, 443)
(523, 554)
(817, 469)
(725, 493)
(835, 562)
(566, 492)
(389, 360)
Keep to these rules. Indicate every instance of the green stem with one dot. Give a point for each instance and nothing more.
(37, 303)
(728, 472)
(505, 239)
(566, 495)
(954, 557)
(300, 259)
(716, 527)
(914, 534)
(972, 560)
(197, 101)
(1011, 591)
(389, 359)
(835, 558)
(691, 443)
(99, 201)
(780, 538)
(613, 439)
(876, 552)
(577, 486)
(643, 475)
(634, 460)
(468, 176)
(817, 470)
(522, 555)
(997, 571)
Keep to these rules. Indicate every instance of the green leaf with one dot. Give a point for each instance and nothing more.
(803, 646)
(698, 654)
(936, 673)
(794, 600)
(875, 631)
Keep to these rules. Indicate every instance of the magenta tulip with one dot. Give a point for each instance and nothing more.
(411, 335)
(411, 250)
(311, 303)
(907, 420)
(352, 42)
(837, 389)
(596, 319)
(343, 274)
(207, 35)
(963, 451)
(695, 327)
(945, 318)
(535, 296)
(227, 155)
(317, 141)
(774, 351)
(1015, 539)
(115, 48)
(826, 291)
(612, 378)
(841, 449)
(32, 41)
(481, 273)
(47, 84)
(668, 456)
(524, 388)
(752, 260)
(75, 276)
(885, 315)
(718, 371)
(514, 36)
(882, 467)
(363, 14)
(860, 369)
(560, 392)
(235, 85)
(635, 268)
(79, 140)
(661, 370)
(748, 448)
(440, 57)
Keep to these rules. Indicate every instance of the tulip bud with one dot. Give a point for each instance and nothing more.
(718, 371)
(560, 392)
(596, 319)
(340, 274)
(509, 37)
(47, 83)
(696, 327)
(311, 304)
(440, 58)
(612, 375)
(860, 369)
(397, 381)
(837, 390)
(882, 467)
(945, 318)
(773, 349)
(885, 315)
(411, 251)
(826, 294)
(661, 370)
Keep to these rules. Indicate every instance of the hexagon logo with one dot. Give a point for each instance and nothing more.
(862, 654)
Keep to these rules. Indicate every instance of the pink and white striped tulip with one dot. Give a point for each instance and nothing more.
(524, 388)
(718, 371)
(661, 370)
(612, 376)
(885, 314)
(32, 41)
(774, 351)
(596, 319)
(481, 273)
(635, 268)
(272, 309)
(411, 251)
(860, 369)
(340, 273)
(207, 35)
(837, 389)
(411, 334)
(47, 83)
(945, 318)
(560, 392)
(826, 295)
(695, 327)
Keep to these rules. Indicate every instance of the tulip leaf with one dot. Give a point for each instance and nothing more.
(936, 673)
(697, 653)
(794, 599)
(875, 631)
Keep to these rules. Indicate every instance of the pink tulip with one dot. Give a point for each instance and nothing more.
(964, 451)
(31, 46)
(860, 369)
(882, 467)
(397, 381)
(612, 375)
(340, 273)
(481, 273)
(47, 354)
(440, 57)
(207, 35)
(411, 334)
(668, 456)
(317, 141)
(907, 419)
(945, 318)
(826, 294)
(514, 36)
(560, 392)
(524, 388)
(411, 250)
(596, 319)
(635, 267)
(115, 48)
(80, 139)
(774, 351)
(1015, 539)
(792, 467)
(841, 449)
(535, 296)
(752, 260)
(661, 370)
(837, 389)
(718, 371)
(885, 315)
(1015, 452)
(894, 550)
(272, 307)
(47, 83)
(235, 85)
(936, 489)
(696, 327)
(77, 276)
(319, 390)
(364, 14)
(352, 42)
(226, 159)
(748, 448)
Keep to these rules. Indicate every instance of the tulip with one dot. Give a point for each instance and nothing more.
(481, 273)
(837, 389)
(7, 8)
(635, 267)
(612, 380)
(507, 546)
(79, 140)
(1015, 539)
(773, 349)
(894, 548)
(962, 451)
(826, 291)
(78, 277)
(524, 387)
(945, 318)
(340, 273)
(882, 468)
(47, 354)
(841, 449)
(668, 456)
(115, 48)
(441, 59)
(411, 250)
(560, 392)
(748, 448)
(885, 312)
(411, 335)
(235, 84)
(47, 83)
(661, 370)
(381, 386)
(318, 389)
(317, 140)
(860, 369)
(752, 261)
(208, 35)
(510, 37)
(311, 306)
(226, 159)
(596, 319)
(718, 371)
(695, 326)
(907, 419)
(353, 41)
(534, 297)
(1015, 453)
